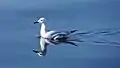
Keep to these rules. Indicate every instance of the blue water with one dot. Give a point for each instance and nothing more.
(17, 35)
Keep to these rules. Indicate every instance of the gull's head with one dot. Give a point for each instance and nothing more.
(41, 20)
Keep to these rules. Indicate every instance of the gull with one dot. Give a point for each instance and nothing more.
(52, 37)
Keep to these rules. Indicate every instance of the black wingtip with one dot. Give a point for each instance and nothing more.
(73, 31)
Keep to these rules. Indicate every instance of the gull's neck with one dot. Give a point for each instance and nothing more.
(43, 29)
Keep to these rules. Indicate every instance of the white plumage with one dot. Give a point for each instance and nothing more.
(51, 37)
